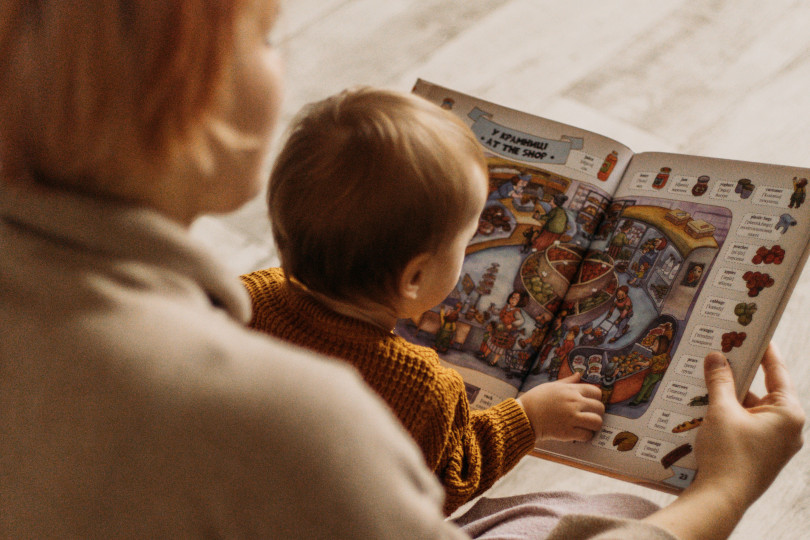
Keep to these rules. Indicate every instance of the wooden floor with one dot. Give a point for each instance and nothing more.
(723, 78)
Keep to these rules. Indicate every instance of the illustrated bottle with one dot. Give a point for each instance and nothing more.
(668, 264)
(675, 268)
(607, 166)
(661, 178)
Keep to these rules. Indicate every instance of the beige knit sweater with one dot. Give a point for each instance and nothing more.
(134, 404)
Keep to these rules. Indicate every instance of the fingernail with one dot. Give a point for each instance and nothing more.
(714, 361)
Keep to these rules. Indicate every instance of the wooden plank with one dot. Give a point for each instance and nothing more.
(529, 51)
(298, 14)
(688, 77)
(727, 78)
(372, 42)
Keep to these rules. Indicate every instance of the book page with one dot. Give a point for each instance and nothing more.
(550, 185)
(704, 253)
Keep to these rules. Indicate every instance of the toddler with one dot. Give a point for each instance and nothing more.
(373, 200)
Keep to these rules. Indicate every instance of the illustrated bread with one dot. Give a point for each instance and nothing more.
(673, 456)
(625, 441)
(697, 228)
(677, 216)
(686, 426)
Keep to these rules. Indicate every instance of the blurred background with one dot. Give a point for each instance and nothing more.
(720, 78)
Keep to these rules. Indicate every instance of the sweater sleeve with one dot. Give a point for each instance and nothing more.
(468, 451)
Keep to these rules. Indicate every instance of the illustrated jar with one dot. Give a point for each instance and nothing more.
(744, 187)
(701, 186)
(661, 178)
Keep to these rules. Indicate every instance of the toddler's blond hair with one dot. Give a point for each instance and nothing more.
(367, 180)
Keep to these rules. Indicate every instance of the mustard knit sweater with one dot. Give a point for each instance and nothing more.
(468, 451)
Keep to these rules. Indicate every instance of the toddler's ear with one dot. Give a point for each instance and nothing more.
(413, 277)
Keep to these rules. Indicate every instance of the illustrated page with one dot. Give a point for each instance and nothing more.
(550, 185)
(701, 255)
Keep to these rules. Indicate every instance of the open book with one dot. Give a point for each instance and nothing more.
(628, 268)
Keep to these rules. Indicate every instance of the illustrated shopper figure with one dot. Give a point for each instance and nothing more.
(555, 223)
(620, 239)
(657, 366)
(624, 306)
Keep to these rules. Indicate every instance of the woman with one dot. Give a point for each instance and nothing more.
(133, 402)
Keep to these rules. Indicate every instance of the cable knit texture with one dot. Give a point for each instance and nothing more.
(467, 450)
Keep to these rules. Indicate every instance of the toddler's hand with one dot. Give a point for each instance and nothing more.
(564, 410)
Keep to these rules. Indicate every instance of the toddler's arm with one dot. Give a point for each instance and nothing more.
(467, 450)
(564, 410)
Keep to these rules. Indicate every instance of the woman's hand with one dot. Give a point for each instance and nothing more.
(743, 447)
(740, 450)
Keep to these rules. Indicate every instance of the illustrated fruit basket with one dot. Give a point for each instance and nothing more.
(590, 296)
(547, 275)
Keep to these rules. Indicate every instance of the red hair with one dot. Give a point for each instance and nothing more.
(92, 89)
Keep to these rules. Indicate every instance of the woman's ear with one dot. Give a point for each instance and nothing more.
(413, 277)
